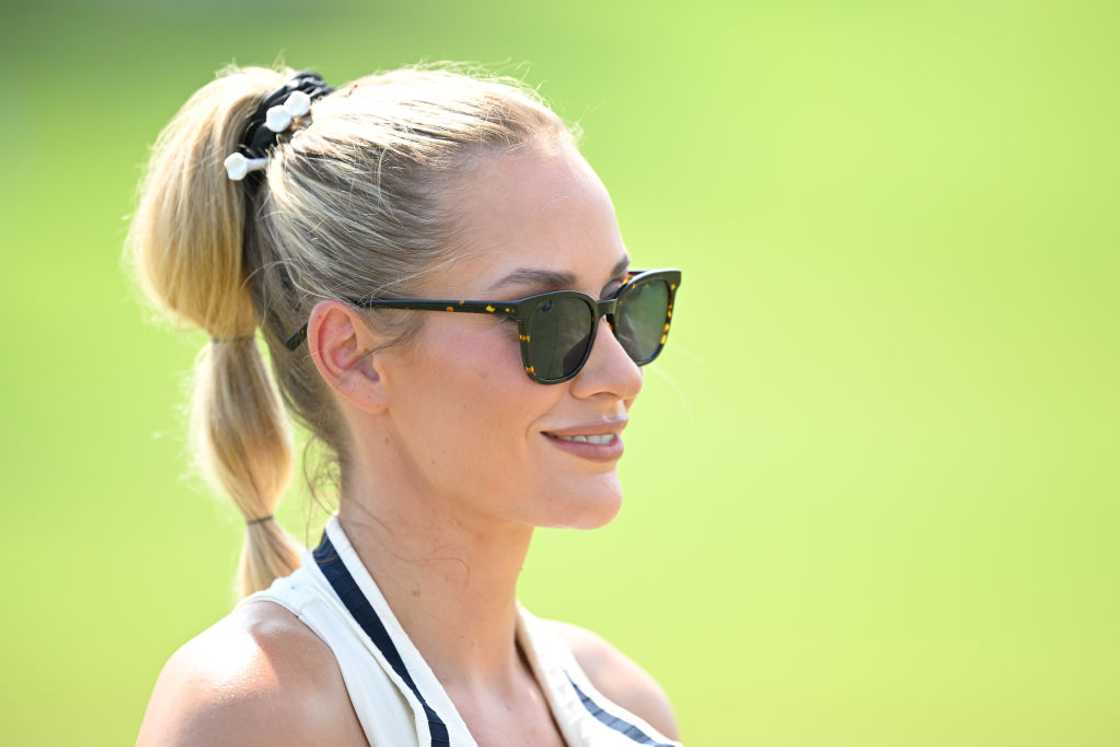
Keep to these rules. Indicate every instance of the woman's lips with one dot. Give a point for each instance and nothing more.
(596, 452)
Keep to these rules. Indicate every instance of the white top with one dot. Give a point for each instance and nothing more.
(397, 698)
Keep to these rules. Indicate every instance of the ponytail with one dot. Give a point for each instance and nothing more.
(186, 246)
(242, 444)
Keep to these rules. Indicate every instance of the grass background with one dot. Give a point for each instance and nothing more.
(871, 487)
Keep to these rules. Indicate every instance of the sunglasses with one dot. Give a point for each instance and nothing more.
(557, 329)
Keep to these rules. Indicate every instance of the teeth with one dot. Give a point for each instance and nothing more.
(604, 438)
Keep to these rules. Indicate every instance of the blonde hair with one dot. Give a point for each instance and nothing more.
(358, 201)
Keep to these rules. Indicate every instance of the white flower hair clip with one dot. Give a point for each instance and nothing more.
(271, 119)
(280, 117)
(238, 166)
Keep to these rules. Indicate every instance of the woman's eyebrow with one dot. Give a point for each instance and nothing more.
(552, 279)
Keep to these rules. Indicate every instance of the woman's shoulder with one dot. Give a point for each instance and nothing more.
(617, 676)
(256, 676)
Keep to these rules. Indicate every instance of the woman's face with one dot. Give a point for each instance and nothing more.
(462, 402)
(459, 400)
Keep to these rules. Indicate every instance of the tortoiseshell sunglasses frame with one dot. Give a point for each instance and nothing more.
(522, 309)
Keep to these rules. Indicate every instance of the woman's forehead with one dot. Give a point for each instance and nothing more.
(531, 194)
(534, 214)
(507, 272)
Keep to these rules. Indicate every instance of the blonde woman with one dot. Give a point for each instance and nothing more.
(449, 309)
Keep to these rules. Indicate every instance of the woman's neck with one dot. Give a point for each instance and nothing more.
(450, 576)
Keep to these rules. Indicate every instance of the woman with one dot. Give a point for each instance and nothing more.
(322, 215)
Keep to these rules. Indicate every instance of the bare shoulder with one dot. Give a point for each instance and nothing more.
(619, 677)
(258, 676)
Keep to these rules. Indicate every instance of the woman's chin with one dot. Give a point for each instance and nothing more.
(589, 512)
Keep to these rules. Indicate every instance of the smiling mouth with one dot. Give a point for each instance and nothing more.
(596, 438)
(589, 449)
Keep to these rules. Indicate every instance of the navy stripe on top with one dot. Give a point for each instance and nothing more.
(351, 595)
(616, 723)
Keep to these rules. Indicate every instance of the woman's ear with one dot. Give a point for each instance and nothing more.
(339, 342)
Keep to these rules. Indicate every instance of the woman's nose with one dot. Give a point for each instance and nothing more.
(609, 367)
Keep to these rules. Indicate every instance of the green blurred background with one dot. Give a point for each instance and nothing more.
(871, 487)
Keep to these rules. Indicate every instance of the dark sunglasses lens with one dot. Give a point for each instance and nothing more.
(559, 334)
(640, 320)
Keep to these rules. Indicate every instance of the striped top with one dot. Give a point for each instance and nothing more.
(396, 696)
